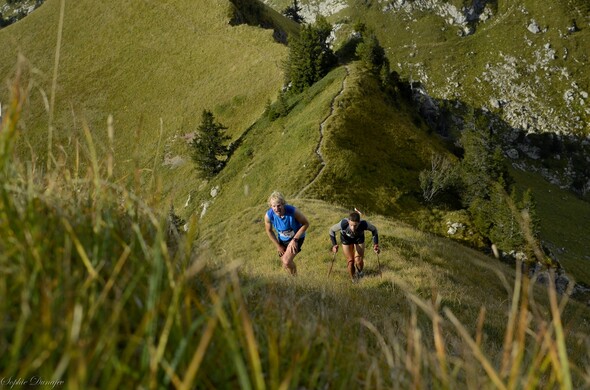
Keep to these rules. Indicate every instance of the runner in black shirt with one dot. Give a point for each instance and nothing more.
(352, 236)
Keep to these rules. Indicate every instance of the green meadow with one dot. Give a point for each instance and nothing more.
(101, 289)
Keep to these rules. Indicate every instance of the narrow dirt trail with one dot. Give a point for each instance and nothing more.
(320, 142)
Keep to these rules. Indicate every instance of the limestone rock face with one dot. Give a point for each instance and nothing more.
(532, 87)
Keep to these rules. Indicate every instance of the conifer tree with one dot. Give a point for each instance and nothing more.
(293, 12)
(372, 55)
(482, 163)
(310, 55)
(207, 148)
(530, 205)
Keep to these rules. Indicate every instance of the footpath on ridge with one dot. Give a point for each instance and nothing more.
(320, 142)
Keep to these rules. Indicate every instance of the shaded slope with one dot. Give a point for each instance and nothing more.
(375, 146)
(255, 13)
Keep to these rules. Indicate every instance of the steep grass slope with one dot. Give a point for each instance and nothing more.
(153, 66)
(273, 155)
(376, 321)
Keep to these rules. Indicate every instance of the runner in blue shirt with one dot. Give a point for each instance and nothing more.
(290, 225)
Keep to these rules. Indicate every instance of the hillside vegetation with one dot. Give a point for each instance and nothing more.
(107, 286)
(153, 67)
(101, 291)
(369, 138)
(522, 79)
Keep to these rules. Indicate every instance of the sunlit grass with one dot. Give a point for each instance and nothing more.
(96, 295)
(152, 66)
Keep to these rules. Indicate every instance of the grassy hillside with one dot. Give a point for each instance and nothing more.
(100, 292)
(423, 46)
(273, 155)
(500, 60)
(153, 67)
(123, 303)
(375, 146)
(371, 147)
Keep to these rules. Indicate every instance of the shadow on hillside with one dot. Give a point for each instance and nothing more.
(384, 302)
(560, 159)
(255, 13)
(347, 52)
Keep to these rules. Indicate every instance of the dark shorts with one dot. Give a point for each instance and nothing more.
(345, 240)
(299, 243)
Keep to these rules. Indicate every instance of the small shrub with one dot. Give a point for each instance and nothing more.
(441, 176)
(279, 109)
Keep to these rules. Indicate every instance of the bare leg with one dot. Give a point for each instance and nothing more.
(288, 263)
(348, 251)
(359, 257)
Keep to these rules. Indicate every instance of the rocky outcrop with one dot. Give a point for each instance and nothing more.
(464, 18)
(312, 8)
(564, 285)
(12, 12)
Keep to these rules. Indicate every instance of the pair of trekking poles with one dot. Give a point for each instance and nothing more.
(334, 258)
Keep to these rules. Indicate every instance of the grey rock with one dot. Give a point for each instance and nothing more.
(534, 27)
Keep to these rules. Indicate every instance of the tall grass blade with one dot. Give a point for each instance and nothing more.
(486, 364)
(180, 350)
(80, 249)
(248, 330)
(509, 335)
(232, 341)
(54, 83)
(199, 354)
(566, 380)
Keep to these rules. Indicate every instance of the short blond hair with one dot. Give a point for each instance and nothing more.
(276, 196)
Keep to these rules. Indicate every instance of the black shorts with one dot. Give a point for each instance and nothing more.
(345, 240)
(299, 243)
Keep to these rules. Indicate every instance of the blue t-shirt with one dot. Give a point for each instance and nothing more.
(286, 226)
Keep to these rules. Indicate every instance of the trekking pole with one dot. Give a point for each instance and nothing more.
(331, 265)
(379, 265)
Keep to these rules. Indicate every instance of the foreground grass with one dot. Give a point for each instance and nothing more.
(99, 292)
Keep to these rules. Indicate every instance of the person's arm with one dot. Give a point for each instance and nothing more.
(333, 231)
(304, 224)
(271, 235)
(299, 217)
(373, 230)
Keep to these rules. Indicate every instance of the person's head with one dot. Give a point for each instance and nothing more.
(353, 220)
(277, 202)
